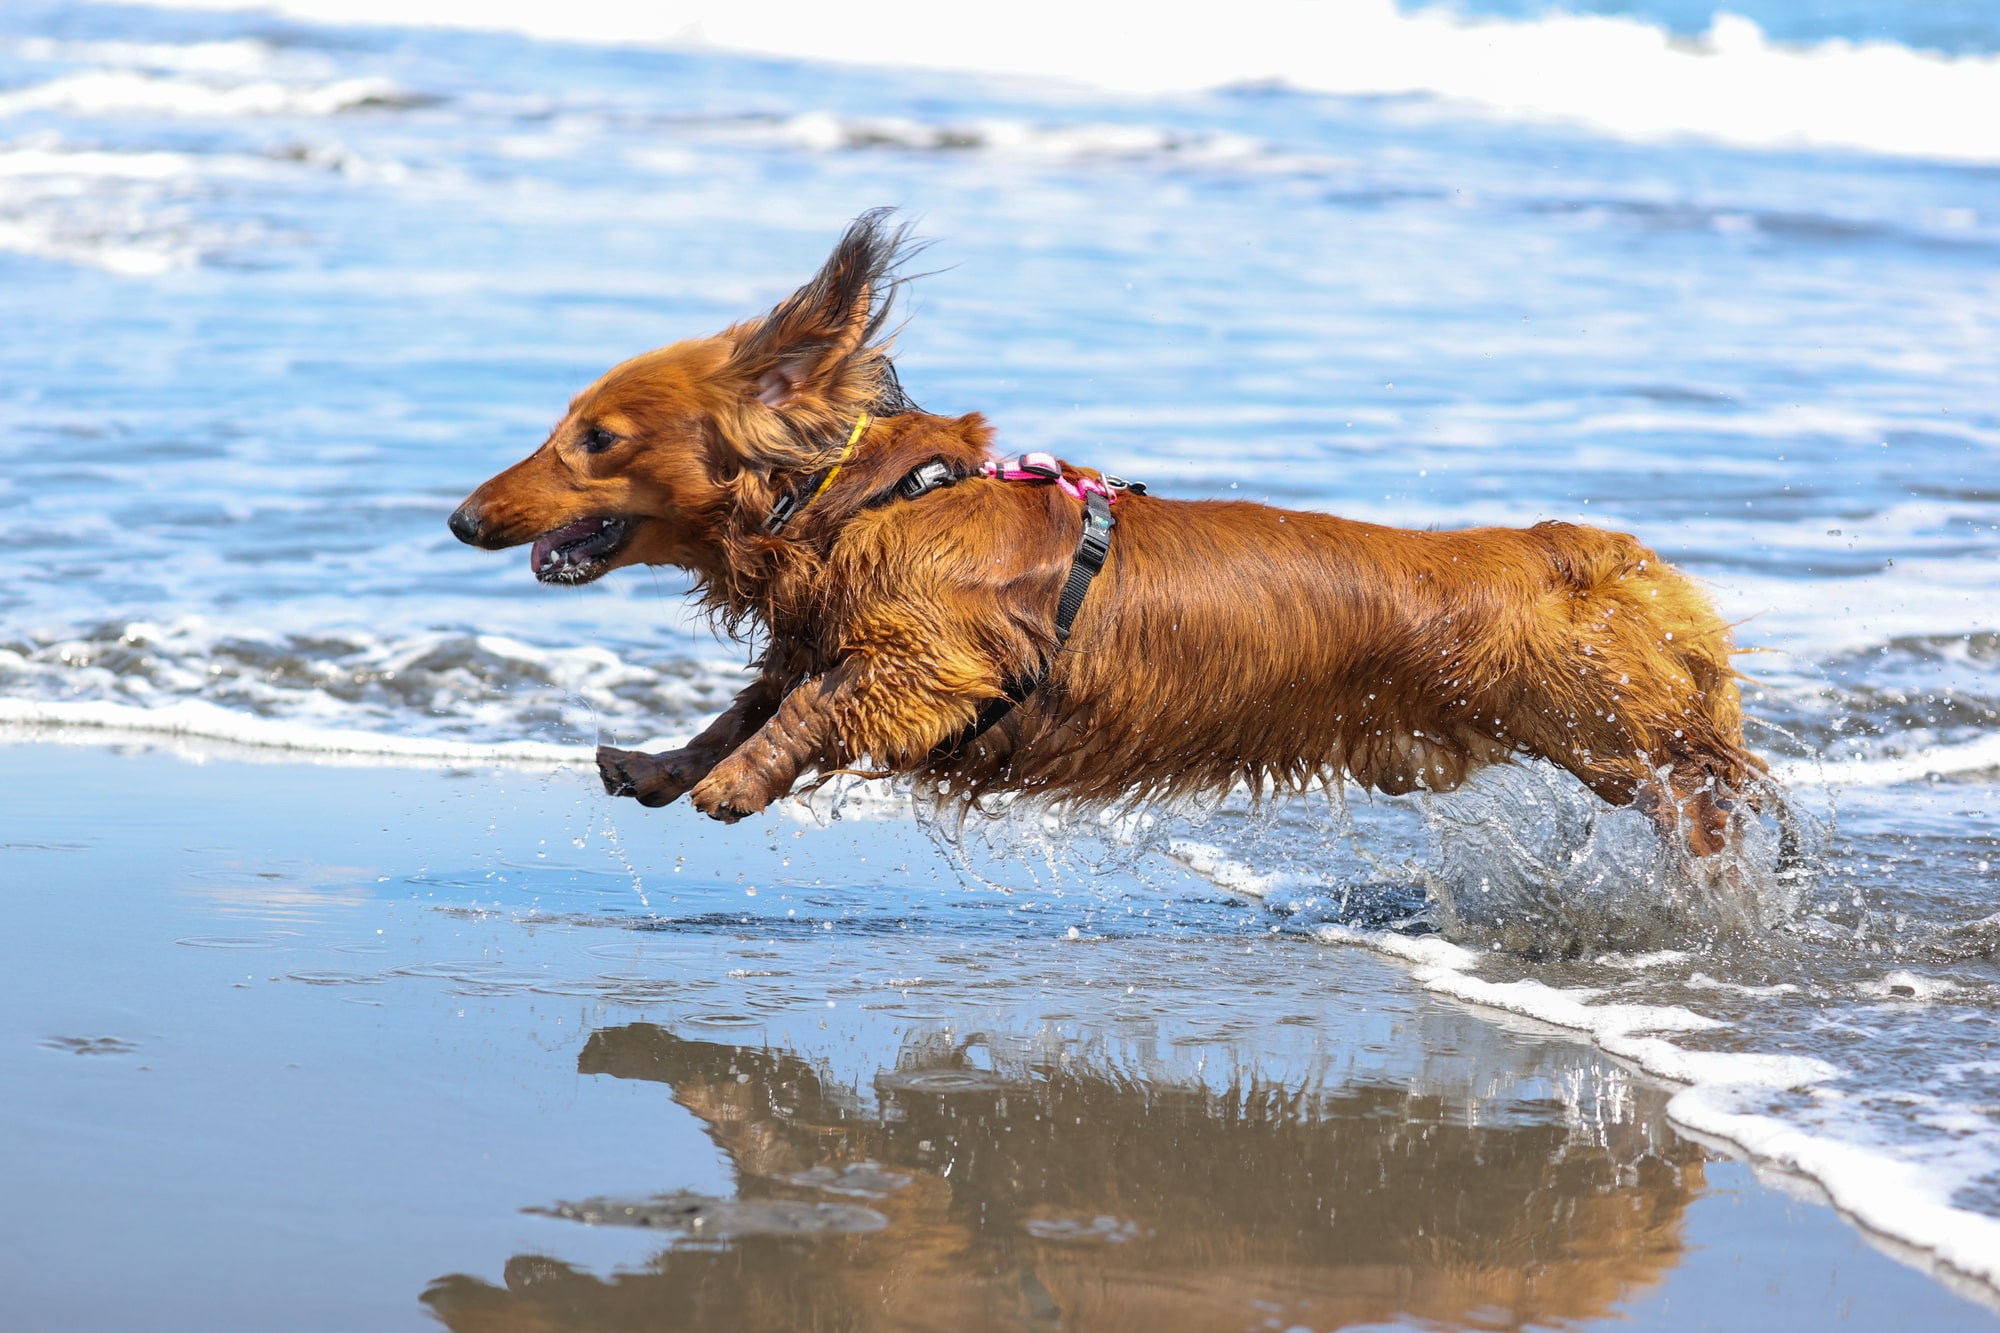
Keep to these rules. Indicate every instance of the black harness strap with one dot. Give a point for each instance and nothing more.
(1092, 549)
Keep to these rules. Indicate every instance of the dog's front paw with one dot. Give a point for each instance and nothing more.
(655, 779)
(733, 791)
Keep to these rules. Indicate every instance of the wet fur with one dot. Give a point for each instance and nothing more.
(1226, 642)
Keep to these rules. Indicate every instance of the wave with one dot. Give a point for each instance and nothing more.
(1926, 764)
(199, 718)
(94, 164)
(354, 691)
(110, 723)
(1789, 1110)
(123, 212)
(1617, 75)
(827, 131)
(238, 56)
(131, 92)
(1940, 721)
(45, 238)
(1904, 1190)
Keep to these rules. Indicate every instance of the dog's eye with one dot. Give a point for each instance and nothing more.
(597, 439)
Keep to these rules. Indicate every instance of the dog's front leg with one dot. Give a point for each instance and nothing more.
(659, 779)
(764, 767)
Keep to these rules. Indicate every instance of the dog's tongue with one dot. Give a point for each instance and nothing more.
(547, 545)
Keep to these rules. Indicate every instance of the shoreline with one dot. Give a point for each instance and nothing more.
(102, 722)
(902, 922)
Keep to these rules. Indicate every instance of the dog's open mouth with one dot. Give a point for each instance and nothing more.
(580, 552)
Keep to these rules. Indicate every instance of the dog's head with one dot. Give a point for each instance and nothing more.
(653, 462)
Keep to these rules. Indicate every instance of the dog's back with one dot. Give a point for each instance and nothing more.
(1232, 642)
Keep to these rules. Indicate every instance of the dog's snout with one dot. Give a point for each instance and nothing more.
(465, 523)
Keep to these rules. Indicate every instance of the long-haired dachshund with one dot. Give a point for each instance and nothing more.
(921, 601)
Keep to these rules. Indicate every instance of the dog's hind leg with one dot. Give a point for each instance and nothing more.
(659, 779)
(1693, 803)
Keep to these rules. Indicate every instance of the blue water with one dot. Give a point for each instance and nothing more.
(279, 295)
(1959, 27)
(320, 330)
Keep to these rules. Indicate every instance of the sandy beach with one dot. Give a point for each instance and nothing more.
(317, 1047)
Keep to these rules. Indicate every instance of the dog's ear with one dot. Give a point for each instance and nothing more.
(815, 354)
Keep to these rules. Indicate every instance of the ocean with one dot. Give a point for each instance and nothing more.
(286, 282)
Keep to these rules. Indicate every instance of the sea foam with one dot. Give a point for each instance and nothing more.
(1775, 1106)
(1615, 75)
(133, 92)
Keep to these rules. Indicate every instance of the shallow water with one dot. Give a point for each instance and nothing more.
(285, 292)
(432, 1064)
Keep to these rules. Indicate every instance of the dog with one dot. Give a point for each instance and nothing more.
(914, 629)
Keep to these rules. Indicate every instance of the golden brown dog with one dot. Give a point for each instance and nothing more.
(1224, 642)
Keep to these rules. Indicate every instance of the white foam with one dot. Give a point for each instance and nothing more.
(827, 131)
(1619, 75)
(1216, 866)
(113, 166)
(1904, 1194)
(195, 718)
(231, 57)
(1903, 984)
(1978, 755)
(118, 211)
(1703, 981)
(125, 92)
(1902, 1190)
(44, 240)
(1625, 1030)
(1639, 962)
(449, 686)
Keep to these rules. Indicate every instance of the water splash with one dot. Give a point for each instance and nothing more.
(1524, 859)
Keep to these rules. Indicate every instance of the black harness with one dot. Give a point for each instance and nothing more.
(1093, 548)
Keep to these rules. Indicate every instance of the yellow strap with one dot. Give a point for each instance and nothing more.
(860, 424)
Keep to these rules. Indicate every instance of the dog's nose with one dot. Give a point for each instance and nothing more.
(465, 524)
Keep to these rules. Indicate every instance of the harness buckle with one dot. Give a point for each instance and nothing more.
(1095, 543)
(781, 513)
(1121, 484)
(923, 480)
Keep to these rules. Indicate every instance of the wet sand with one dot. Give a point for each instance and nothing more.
(295, 1046)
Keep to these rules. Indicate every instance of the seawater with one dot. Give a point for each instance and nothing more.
(281, 291)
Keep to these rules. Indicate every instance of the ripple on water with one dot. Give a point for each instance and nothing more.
(90, 1045)
(231, 941)
(634, 951)
(706, 1217)
(861, 1180)
(941, 1081)
(1102, 1229)
(723, 1019)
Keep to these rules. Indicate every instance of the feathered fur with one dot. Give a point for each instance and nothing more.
(1225, 642)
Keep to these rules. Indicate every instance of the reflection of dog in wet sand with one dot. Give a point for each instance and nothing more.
(1050, 1193)
(931, 610)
